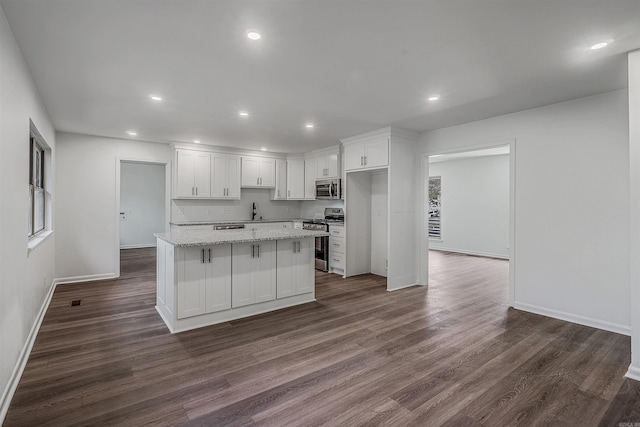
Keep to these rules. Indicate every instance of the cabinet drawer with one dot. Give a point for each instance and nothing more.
(336, 260)
(336, 244)
(337, 231)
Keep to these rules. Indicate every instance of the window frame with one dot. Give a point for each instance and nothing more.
(438, 234)
(37, 186)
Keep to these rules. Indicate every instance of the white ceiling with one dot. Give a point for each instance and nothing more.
(348, 66)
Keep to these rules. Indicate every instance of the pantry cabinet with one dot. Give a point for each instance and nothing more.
(367, 154)
(258, 172)
(295, 271)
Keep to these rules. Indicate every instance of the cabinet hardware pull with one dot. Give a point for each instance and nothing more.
(361, 161)
(258, 246)
(365, 160)
(203, 256)
(193, 191)
(196, 191)
(209, 256)
(253, 251)
(257, 181)
(294, 247)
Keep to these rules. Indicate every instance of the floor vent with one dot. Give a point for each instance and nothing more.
(75, 302)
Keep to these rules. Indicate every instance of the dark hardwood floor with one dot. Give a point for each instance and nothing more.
(451, 354)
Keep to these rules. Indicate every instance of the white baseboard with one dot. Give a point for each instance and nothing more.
(14, 379)
(87, 278)
(574, 318)
(143, 245)
(633, 372)
(475, 253)
(402, 287)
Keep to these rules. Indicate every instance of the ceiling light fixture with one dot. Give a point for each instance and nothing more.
(131, 133)
(309, 125)
(197, 141)
(243, 113)
(253, 35)
(433, 97)
(155, 97)
(263, 149)
(600, 45)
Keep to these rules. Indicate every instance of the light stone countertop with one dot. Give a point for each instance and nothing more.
(231, 221)
(220, 237)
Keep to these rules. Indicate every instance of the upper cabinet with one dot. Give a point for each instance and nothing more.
(295, 179)
(258, 172)
(310, 179)
(193, 175)
(369, 154)
(280, 191)
(327, 166)
(225, 176)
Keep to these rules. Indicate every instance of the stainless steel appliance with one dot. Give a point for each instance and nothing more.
(328, 189)
(331, 216)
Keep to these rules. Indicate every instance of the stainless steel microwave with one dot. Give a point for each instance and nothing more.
(328, 189)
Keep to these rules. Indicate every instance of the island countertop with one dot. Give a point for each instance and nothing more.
(220, 237)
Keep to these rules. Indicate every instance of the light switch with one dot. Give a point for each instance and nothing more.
(123, 216)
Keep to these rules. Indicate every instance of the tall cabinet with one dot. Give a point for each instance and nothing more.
(388, 154)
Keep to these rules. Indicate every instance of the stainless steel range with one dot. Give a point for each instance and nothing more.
(331, 216)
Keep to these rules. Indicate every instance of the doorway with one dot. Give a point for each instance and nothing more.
(143, 197)
(469, 207)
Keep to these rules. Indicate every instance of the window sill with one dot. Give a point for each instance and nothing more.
(38, 239)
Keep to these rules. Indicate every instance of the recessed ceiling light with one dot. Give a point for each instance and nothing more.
(433, 97)
(309, 125)
(253, 35)
(243, 113)
(155, 97)
(600, 45)
(197, 141)
(131, 133)
(263, 149)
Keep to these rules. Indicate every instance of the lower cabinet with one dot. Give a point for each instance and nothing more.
(203, 279)
(254, 272)
(295, 267)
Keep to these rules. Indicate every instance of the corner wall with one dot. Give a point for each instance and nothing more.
(571, 260)
(25, 278)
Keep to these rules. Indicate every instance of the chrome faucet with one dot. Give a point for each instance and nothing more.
(254, 212)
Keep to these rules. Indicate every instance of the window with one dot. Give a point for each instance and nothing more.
(36, 187)
(435, 193)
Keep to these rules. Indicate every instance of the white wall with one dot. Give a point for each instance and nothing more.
(87, 218)
(573, 261)
(634, 156)
(475, 205)
(25, 279)
(379, 222)
(310, 209)
(221, 210)
(142, 199)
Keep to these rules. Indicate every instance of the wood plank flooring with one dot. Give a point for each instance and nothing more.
(451, 354)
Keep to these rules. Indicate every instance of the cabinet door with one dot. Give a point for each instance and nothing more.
(295, 179)
(242, 260)
(185, 172)
(377, 153)
(191, 281)
(332, 166)
(285, 284)
(267, 173)
(218, 278)
(353, 156)
(250, 172)
(218, 175)
(304, 274)
(202, 176)
(233, 177)
(265, 271)
(322, 170)
(310, 179)
(280, 192)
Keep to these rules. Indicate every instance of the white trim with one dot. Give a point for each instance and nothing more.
(403, 287)
(474, 253)
(633, 373)
(140, 246)
(87, 278)
(37, 240)
(574, 318)
(18, 370)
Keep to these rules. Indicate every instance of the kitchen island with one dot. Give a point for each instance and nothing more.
(206, 277)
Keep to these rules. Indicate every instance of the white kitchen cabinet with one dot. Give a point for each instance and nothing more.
(203, 277)
(367, 154)
(280, 191)
(295, 272)
(254, 273)
(193, 174)
(327, 166)
(295, 179)
(310, 166)
(225, 176)
(258, 172)
(337, 247)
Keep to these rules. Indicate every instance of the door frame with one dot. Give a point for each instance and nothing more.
(167, 196)
(424, 239)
